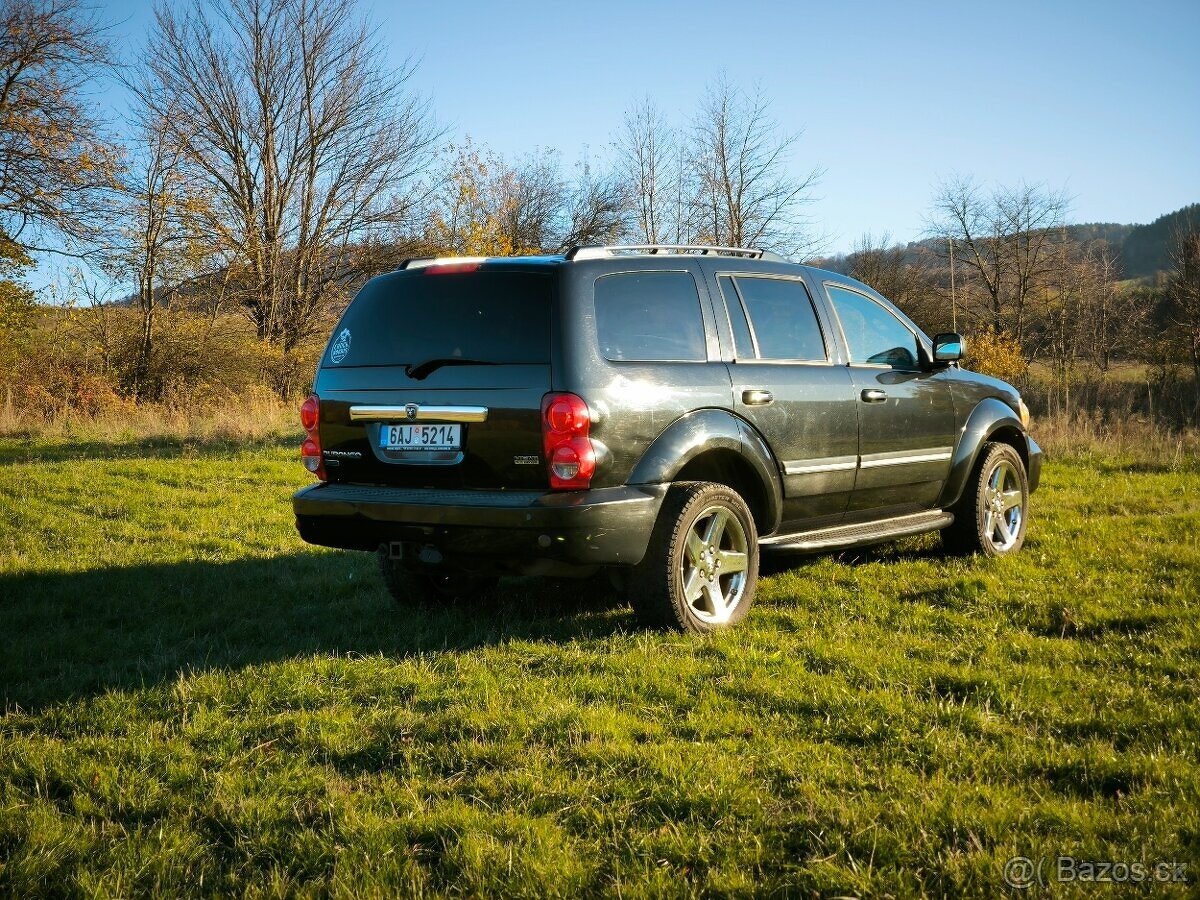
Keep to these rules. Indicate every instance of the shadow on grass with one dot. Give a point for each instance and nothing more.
(74, 635)
(14, 450)
(774, 561)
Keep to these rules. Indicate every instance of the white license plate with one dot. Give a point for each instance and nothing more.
(420, 437)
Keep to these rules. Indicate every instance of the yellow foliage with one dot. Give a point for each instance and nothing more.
(996, 353)
(479, 200)
(16, 299)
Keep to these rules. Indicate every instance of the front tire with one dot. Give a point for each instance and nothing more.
(992, 515)
(700, 571)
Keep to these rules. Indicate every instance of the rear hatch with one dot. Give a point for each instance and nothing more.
(434, 377)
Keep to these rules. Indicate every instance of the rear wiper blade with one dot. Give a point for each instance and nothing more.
(422, 370)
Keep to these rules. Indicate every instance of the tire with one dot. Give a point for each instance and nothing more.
(993, 513)
(411, 584)
(671, 586)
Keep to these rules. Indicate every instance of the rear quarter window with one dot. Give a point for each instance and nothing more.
(650, 316)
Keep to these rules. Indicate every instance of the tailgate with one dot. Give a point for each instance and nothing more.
(435, 379)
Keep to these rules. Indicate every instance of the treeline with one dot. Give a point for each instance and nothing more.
(274, 161)
(1048, 305)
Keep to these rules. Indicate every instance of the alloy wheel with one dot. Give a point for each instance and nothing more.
(714, 563)
(1004, 508)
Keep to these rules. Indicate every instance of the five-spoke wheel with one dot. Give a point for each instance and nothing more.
(991, 516)
(713, 565)
(701, 568)
(1004, 500)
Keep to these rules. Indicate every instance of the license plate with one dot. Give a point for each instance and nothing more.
(420, 437)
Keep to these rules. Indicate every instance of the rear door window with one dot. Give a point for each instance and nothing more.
(650, 316)
(410, 317)
(782, 322)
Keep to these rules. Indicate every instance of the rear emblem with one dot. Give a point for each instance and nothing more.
(526, 460)
(340, 347)
(410, 410)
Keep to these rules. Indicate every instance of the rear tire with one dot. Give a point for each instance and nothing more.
(410, 583)
(700, 571)
(992, 515)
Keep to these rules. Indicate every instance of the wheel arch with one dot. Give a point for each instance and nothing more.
(714, 445)
(991, 420)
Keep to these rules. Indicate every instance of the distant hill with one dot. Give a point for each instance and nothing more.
(1143, 250)
(1111, 232)
(1147, 249)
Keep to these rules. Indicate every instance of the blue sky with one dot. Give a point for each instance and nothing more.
(1099, 98)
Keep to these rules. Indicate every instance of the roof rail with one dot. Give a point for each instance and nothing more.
(600, 252)
(420, 262)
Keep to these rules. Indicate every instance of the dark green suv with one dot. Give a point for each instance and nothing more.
(661, 413)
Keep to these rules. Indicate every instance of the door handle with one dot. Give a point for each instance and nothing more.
(757, 397)
(874, 395)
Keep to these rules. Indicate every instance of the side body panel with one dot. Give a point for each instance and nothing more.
(810, 423)
(905, 442)
(907, 422)
(632, 403)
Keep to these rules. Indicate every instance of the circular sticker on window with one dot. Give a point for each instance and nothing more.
(340, 347)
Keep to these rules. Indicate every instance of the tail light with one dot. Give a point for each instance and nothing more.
(310, 450)
(566, 423)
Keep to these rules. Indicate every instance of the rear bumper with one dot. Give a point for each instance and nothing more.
(518, 529)
(1035, 464)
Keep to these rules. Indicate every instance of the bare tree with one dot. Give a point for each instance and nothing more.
(652, 167)
(306, 142)
(531, 197)
(595, 210)
(1183, 292)
(747, 194)
(1005, 240)
(905, 275)
(160, 241)
(1112, 320)
(490, 207)
(55, 165)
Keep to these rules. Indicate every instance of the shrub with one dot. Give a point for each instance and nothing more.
(996, 353)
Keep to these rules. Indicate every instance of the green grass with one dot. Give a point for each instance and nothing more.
(195, 702)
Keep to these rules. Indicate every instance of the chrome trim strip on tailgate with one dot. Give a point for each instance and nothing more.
(416, 412)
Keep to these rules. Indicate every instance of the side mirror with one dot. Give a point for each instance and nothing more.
(948, 347)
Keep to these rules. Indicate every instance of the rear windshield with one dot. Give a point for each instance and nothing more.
(409, 318)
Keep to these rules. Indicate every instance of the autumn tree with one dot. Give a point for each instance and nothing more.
(307, 144)
(464, 216)
(159, 241)
(16, 302)
(55, 164)
(490, 207)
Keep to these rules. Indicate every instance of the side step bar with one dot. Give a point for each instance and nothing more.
(861, 533)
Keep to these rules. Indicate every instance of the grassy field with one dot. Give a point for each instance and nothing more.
(194, 702)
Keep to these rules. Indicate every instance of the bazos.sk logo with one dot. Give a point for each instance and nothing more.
(340, 347)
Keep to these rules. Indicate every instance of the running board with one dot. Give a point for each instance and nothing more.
(860, 534)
